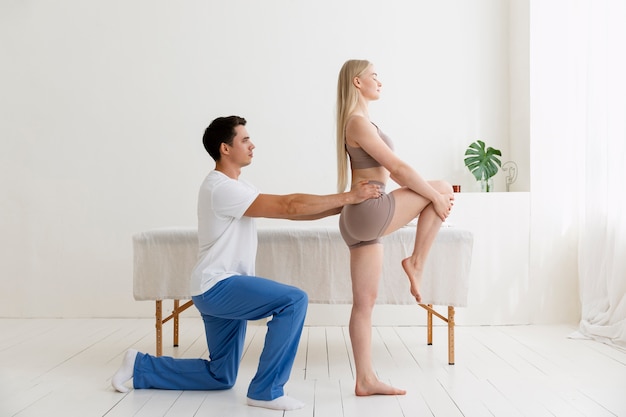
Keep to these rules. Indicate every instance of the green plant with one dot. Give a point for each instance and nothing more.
(482, 163)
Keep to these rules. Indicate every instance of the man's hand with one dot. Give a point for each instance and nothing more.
(364, 190)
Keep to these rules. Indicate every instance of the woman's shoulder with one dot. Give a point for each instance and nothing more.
(360, 124)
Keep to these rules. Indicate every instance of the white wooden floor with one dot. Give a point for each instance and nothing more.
(51, 367)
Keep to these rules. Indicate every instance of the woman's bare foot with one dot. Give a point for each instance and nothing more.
(415, 278)
(375, 387)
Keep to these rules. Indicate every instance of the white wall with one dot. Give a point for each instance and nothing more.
(554, 201)
(519, 90)
(103, 106)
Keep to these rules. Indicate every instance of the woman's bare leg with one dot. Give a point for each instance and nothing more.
(428, 225)
(366, 269)
(409, 205)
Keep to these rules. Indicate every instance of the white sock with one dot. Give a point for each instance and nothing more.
(125, 372)
(281, 403)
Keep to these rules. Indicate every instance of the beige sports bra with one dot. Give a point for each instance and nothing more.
(360, 159)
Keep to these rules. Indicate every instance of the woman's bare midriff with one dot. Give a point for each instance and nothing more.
(379, 174)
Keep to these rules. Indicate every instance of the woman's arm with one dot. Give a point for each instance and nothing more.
(361, 132)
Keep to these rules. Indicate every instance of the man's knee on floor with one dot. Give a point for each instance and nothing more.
(227, 382)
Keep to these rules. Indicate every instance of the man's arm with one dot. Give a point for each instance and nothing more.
(309, 206)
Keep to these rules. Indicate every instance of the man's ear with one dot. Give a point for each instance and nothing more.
(224, 148)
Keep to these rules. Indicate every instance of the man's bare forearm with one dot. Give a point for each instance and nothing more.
(331, 212)
(310, 207)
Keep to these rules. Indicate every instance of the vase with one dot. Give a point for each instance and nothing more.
(486, 185)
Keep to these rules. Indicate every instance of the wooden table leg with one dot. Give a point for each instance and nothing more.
(176, 314)
(430, 324)
(450, 335)
(160, 320)
(450, 320)
(159, 327)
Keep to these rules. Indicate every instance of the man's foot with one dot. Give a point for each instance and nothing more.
(415, 278)
(376, 387)
(284, 403)
(125, 372)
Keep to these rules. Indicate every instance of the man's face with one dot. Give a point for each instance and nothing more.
(241, 150)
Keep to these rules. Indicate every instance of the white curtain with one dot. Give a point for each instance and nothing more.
(601, 72)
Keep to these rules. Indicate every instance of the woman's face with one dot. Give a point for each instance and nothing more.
(368, 84)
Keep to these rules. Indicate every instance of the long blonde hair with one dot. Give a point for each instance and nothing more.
(347, 100)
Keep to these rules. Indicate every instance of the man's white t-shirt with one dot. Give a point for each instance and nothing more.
(227, 239)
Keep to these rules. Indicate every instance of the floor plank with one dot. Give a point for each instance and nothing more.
(340, 364)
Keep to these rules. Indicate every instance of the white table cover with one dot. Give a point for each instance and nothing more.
(315, 259)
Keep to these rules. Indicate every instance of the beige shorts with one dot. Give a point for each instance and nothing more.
(364, 223)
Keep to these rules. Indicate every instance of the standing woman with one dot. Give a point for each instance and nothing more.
(362, 225)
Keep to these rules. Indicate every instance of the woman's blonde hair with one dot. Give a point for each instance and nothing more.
(347, 100)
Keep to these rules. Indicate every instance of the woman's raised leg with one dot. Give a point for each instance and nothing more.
(409, 205)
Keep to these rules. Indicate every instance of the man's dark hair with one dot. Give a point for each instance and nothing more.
(221, 130)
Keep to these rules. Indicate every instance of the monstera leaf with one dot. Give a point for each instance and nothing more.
(482, 163)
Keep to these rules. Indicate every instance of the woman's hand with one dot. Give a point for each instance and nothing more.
(443, 205)
(364, 190)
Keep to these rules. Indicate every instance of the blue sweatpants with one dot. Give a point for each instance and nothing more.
(225, 309)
